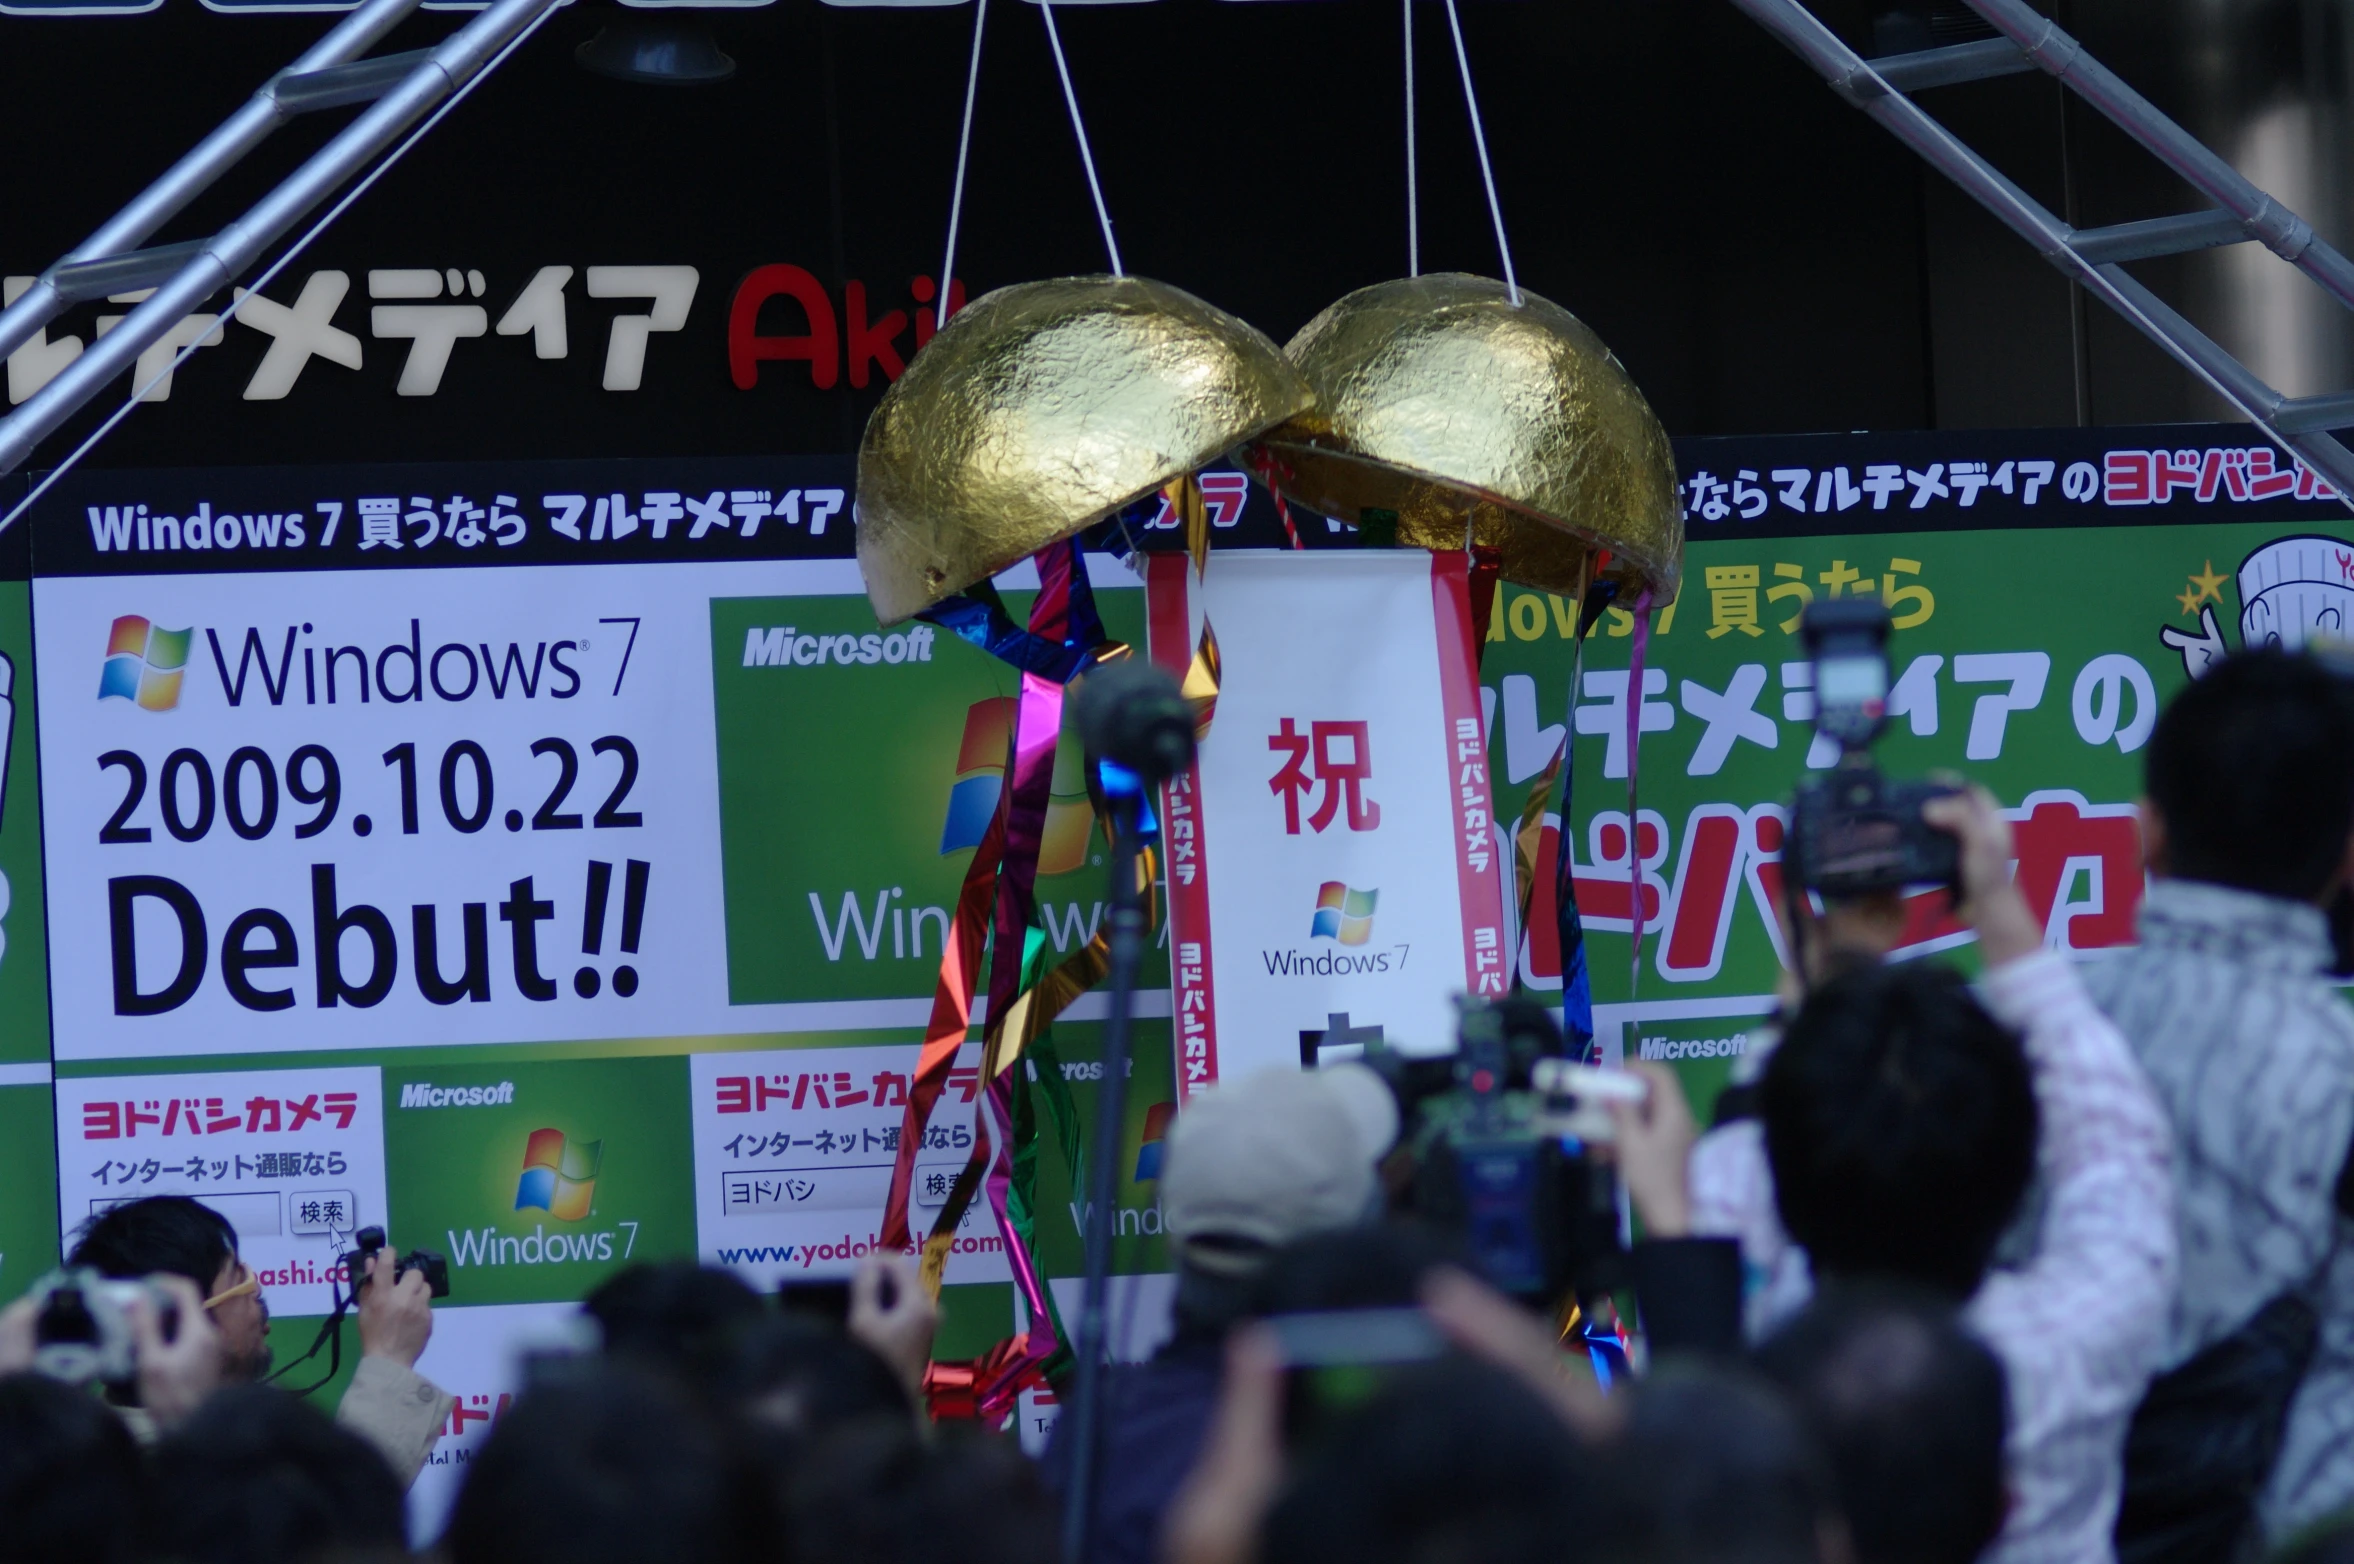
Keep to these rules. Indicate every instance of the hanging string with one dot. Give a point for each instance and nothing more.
(1086, 156)
(964, 141)
(1479, 139)
(1413, 213)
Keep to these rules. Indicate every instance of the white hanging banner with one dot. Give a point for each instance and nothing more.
(1334, 870)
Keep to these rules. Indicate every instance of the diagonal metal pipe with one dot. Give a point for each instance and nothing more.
(188, 178)
(226, 255)
(1847, 72)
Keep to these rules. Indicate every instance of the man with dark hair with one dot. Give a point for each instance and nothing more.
(2248, 829)
(387, 1401)
(1870, 1185)
(1714, 1468)
(69, 1476)
(1899, 1116)
(255, 1477)
(610, 1466)
(1908, 1407)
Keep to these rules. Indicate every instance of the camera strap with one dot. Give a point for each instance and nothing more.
(330, 1336)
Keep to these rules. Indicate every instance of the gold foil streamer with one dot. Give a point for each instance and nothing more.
(1530, 835)
(1439, 400)
(1042, 408)
(1200, 688)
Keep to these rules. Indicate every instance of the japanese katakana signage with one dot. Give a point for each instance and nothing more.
(793, 1155)
(552, 860)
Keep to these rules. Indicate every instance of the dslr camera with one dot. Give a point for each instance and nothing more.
(425, 1262)
(1853, 831)
(82, 1325)
(1500, 1131)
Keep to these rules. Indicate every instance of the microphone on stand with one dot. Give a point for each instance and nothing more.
(1138, 731)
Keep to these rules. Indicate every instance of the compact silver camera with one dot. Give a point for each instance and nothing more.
(82, 1325)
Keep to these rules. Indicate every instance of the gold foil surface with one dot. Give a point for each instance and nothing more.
(1439, 400)
(1040, 409)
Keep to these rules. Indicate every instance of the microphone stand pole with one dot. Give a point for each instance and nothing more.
(1111, 1111)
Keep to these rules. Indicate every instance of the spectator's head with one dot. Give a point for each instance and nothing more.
(675, 1318)
(608, 1467)
(2251, 778)
(799, 1378)
(1900, 1122)
(1254, 1164)
(256, 1476)
(1712, 1467)
(1455, 1461)
(1909, 1409)
(181, 1237)
(69, 1476)
(880, 1493)
(1373, 1268)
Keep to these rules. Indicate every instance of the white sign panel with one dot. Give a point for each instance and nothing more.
(793, 1156)
(1332, 869)
(293, 1158)
(384, 808)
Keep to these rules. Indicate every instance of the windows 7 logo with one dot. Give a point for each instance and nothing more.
(558, 1178)
(144, 663)
(1343, 914)
(1148, 1145)
(980, 779)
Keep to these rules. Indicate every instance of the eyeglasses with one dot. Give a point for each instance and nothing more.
(244, 1289)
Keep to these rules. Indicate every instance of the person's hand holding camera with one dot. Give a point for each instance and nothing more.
(1990, 902)
(396, 1317)
(176, 1372)
(891, 1311)
(1653, 1150)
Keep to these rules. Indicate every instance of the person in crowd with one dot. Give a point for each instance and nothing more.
(257, 1477)
(879, 1492)
(1248, 1167)
(70, 1477)
(1901, 1121)
(611, 1465)
(1455, 1460)
(1504, 1372)
(2248, 830)
(1908, 1407)
(674, 1317)
(387, 1401)
(1713, 1467)
(785, 1369)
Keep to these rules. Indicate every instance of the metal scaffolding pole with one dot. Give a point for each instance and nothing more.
(403, 87)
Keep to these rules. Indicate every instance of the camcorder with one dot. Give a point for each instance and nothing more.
(1501, 1133)
(1852, 830)
(82, 1325)
(370, 1241)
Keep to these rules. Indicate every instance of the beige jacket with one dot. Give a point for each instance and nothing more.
(396, 1409)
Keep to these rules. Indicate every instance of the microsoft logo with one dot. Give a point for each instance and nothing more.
(417, 1094)
(1343, 914)
(1148, 1145)
(980, 779)
(559, 1178)
(145, 663)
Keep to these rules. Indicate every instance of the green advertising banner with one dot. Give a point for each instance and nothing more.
(552, 862)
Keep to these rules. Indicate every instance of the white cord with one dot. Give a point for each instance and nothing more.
(964, 140)
(1413, 215)
(1086, 157)
(237, 303)
(1480, 140)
